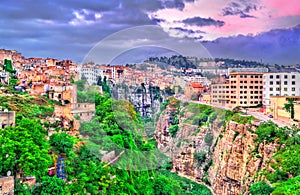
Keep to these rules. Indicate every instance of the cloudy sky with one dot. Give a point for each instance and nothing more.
(266, 30)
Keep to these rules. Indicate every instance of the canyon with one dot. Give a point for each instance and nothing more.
(220, 153)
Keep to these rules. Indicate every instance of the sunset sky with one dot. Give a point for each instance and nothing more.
(267, 30)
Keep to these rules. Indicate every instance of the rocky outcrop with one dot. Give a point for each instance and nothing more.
(236, 157)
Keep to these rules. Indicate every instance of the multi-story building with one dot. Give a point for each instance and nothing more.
(91, 73)
(280, 84)
(241, 89)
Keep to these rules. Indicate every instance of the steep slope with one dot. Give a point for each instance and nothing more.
(221, 153)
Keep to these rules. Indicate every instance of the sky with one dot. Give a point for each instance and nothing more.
(263, 30)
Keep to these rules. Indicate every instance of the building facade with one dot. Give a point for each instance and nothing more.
(241, 89)
(280, 84)
(91, 73)
(277, 107)
(7, 118)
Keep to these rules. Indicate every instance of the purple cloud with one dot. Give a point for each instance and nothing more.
(198, 21)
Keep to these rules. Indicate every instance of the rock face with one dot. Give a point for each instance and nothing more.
(236, 158)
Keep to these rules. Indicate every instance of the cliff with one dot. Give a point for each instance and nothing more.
(222, 155)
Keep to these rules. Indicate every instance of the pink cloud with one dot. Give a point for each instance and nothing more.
(283, 8)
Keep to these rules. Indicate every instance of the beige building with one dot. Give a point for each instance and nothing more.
(277, 107)
(241, 89)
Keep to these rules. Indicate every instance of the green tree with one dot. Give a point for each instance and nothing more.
(200, 157)
(163, 186)
(289, 107)
(62, 142)
(50, 186)
(261, 188)
(24, 149)
(80, 85)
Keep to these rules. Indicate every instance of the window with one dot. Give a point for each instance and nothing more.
(285, 76)
(293, 89)
(271, 76)
(277, 89)
(277, 76)
(271, 82)
(285, 82)
(277, 83)
(285, 89)
(293, 76)
(293, 82)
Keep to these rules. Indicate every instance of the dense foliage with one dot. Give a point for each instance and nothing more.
(286, 163)
(261, 188)
(24, 149)
(62, 142)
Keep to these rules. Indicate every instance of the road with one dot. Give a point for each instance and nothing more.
(257, 115)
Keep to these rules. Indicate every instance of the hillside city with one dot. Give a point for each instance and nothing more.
(65, 99)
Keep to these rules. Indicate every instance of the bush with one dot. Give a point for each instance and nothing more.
(291, 186)
(208, 139)
(212, 117)
(173, 130)
(209, 163)
(200, 157)
(266, 131)
(278, 175)
(261, 188)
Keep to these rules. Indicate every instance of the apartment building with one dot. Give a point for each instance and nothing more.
(280, 84)
(241, 89)
(91, 73)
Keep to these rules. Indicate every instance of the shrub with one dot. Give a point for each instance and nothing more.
(261, 188)
(266, 131)
(200, 157)
(173, 130)
(208, 139)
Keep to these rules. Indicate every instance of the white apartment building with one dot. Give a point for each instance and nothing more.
(280, 84)
(91, 73)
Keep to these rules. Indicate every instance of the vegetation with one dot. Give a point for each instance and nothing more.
(62, 142)
(173, 130)
(200, 157)
(208, 139)
(289, 107)
(288, 187)
(287, 160)
(261, 188)
(116, 127)
(28, 106)
(24, 149)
